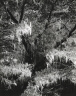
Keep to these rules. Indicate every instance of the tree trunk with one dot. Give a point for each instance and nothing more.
(34, 56)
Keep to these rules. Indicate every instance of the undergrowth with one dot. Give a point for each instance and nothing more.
(14, 79)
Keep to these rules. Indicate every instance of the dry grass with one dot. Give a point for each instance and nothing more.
(20, 69)
(59, 59)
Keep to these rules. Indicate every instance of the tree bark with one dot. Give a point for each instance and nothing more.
(29, 49)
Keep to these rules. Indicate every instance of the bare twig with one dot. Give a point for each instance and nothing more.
(66, 27)
(72, 30)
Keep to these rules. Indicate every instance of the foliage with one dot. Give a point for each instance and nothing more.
(53, 22)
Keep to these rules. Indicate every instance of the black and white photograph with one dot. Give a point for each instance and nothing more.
(37, 47)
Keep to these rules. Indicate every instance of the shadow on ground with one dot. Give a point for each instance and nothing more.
(61, 88)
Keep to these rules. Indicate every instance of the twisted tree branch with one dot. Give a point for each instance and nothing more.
(22, 10)
(7, 10)
(65, 39)
(48, 19)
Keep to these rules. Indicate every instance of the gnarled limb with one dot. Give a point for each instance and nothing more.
(7, 10)
(22, 10)
(48, 19)
(65, 39)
